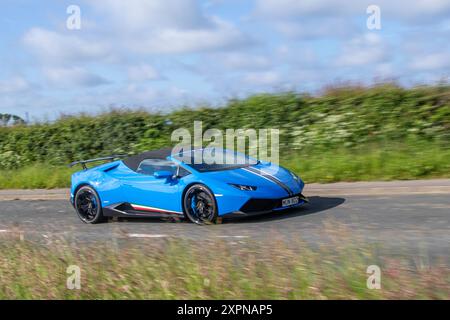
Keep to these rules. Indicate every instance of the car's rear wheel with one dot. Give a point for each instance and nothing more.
(88, 206)
(200, 205)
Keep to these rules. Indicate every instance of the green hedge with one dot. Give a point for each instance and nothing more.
(342, 117)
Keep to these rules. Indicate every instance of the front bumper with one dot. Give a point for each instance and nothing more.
(262, 206)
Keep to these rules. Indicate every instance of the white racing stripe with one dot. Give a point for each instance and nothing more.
(271, 178)
(259, 175)
(145, 235)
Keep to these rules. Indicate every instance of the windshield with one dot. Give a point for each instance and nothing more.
(214, 159)
(150, 166)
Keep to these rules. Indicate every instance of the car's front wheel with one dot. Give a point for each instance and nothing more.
(88, 206)
(200, 205)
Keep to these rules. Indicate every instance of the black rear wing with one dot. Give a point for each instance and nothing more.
(109, 158)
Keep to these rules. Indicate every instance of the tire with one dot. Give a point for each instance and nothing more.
(200, 205)
(88, 206)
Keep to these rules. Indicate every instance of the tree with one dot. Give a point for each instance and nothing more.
(7, 119)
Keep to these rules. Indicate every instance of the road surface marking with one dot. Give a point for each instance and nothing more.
(236, 237)
(143, 235)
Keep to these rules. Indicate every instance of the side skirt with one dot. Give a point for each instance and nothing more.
(122, 210)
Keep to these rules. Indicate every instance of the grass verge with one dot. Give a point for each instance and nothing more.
(393, 162)
(37, 176)
(174, 269)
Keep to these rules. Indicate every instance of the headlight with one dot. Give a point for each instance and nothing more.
(243, 187)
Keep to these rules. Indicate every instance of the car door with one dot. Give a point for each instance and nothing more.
(149, 193)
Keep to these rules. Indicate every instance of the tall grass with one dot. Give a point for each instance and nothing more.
(36, 176)
(176, 269)
(373, 162)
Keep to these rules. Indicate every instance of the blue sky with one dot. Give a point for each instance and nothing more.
(162, 54)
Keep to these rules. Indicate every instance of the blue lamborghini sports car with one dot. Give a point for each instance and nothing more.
(162, 184)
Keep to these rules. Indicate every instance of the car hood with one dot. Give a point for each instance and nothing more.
(246, 176)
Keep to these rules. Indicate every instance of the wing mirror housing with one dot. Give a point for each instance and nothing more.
(163, 174)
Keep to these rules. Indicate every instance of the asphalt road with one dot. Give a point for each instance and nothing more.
(412, 222)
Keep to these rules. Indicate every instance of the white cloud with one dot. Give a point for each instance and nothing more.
(419, 11)
(386, 70)
(171, 26)
(72, 77)
(238, 61)
(312, 19)
(54, 47)
(309, 19)
(143, 72)
(304, 56)
(136, 27)
(403, 9)
(363, 50)
(143, 15)
(431, 61)
(14, 84)
(134, 95)
(263, 78)
(301, 43)
(313, 29)
(222, 36)
(282, 9)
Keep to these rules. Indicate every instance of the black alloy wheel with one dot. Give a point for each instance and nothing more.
(200, 205)
(88, 206)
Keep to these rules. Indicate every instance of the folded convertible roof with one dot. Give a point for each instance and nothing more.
(134, 161)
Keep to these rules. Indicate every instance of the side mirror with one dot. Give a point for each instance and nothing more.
(162, 174)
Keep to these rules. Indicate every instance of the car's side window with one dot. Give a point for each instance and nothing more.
(150, 166)
(182, 172)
